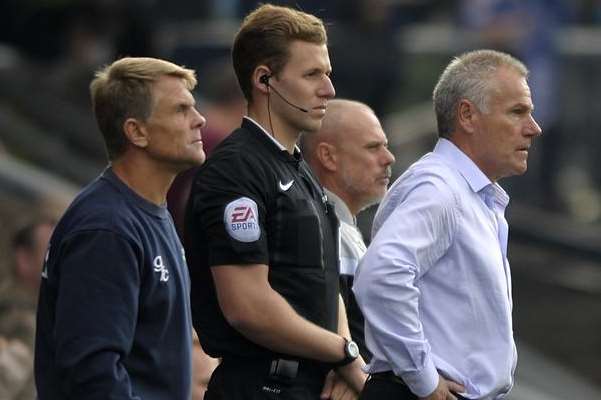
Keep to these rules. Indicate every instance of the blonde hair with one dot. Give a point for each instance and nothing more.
(265, 36)
(122, 90)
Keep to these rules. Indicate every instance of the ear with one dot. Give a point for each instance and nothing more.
(260, 71)
(467, 116)
(136, 132)
(327, 156)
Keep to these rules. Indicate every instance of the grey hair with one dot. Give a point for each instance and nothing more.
(468, 77)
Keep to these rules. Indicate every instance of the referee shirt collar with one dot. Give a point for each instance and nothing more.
(274, 140)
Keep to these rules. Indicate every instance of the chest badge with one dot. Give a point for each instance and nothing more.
(160, 268)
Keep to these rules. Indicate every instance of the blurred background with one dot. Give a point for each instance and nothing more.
(387, 53)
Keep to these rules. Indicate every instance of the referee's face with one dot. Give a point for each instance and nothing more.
(174, 126)
(305, 82)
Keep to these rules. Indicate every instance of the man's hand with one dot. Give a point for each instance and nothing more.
(445, 390)
(202, 368)
(353, 375)
(335, 388)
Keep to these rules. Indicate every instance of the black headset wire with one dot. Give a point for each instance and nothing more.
(269, 110)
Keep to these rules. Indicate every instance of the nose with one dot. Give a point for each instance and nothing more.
(534, 128)
(199, 119)
(327, 89)
(388, 158)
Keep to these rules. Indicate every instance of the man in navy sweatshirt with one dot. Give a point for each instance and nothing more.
(113, 318)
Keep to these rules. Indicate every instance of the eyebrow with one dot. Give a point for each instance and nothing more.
(522, 105)
(374, 143)
(326, 71)
(186, 103)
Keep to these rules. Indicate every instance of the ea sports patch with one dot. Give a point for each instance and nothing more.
(242, 220)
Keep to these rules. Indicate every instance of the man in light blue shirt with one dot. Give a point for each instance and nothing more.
(435, 284)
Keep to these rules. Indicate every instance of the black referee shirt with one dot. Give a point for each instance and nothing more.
(254, 203)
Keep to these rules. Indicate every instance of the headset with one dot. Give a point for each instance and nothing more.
(264, 79)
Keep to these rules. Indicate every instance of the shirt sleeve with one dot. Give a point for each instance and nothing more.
(418, 231)
(229, 211)
(96, 313)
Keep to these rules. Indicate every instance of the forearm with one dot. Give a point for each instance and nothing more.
(393, 319)
(252, 307)
(273, 323)
(343, 328)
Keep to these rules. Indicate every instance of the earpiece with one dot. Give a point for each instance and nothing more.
(264, 79)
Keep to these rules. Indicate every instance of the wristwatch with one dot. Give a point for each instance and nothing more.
(351, 352)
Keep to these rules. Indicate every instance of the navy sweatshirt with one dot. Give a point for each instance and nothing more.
(114, 312)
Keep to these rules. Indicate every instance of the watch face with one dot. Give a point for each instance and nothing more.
(353, 349)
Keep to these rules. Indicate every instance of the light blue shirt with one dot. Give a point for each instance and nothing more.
(434, 285)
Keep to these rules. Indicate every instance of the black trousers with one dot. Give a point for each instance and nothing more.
(385, 386)
(240, 379)
(382, 388)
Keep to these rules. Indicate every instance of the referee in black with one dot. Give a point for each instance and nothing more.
(261, 237)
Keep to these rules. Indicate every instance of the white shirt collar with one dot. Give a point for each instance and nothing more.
(342, 210)
(470, 171)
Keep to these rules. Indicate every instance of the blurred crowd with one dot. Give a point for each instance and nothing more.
(49, 50)
(18, 302)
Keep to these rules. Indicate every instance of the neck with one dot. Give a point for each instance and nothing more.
(282, 132)
(146, 178)
(352, 206)
(470, 150)
(333, 186)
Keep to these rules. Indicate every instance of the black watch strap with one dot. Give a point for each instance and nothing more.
(351, 352)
